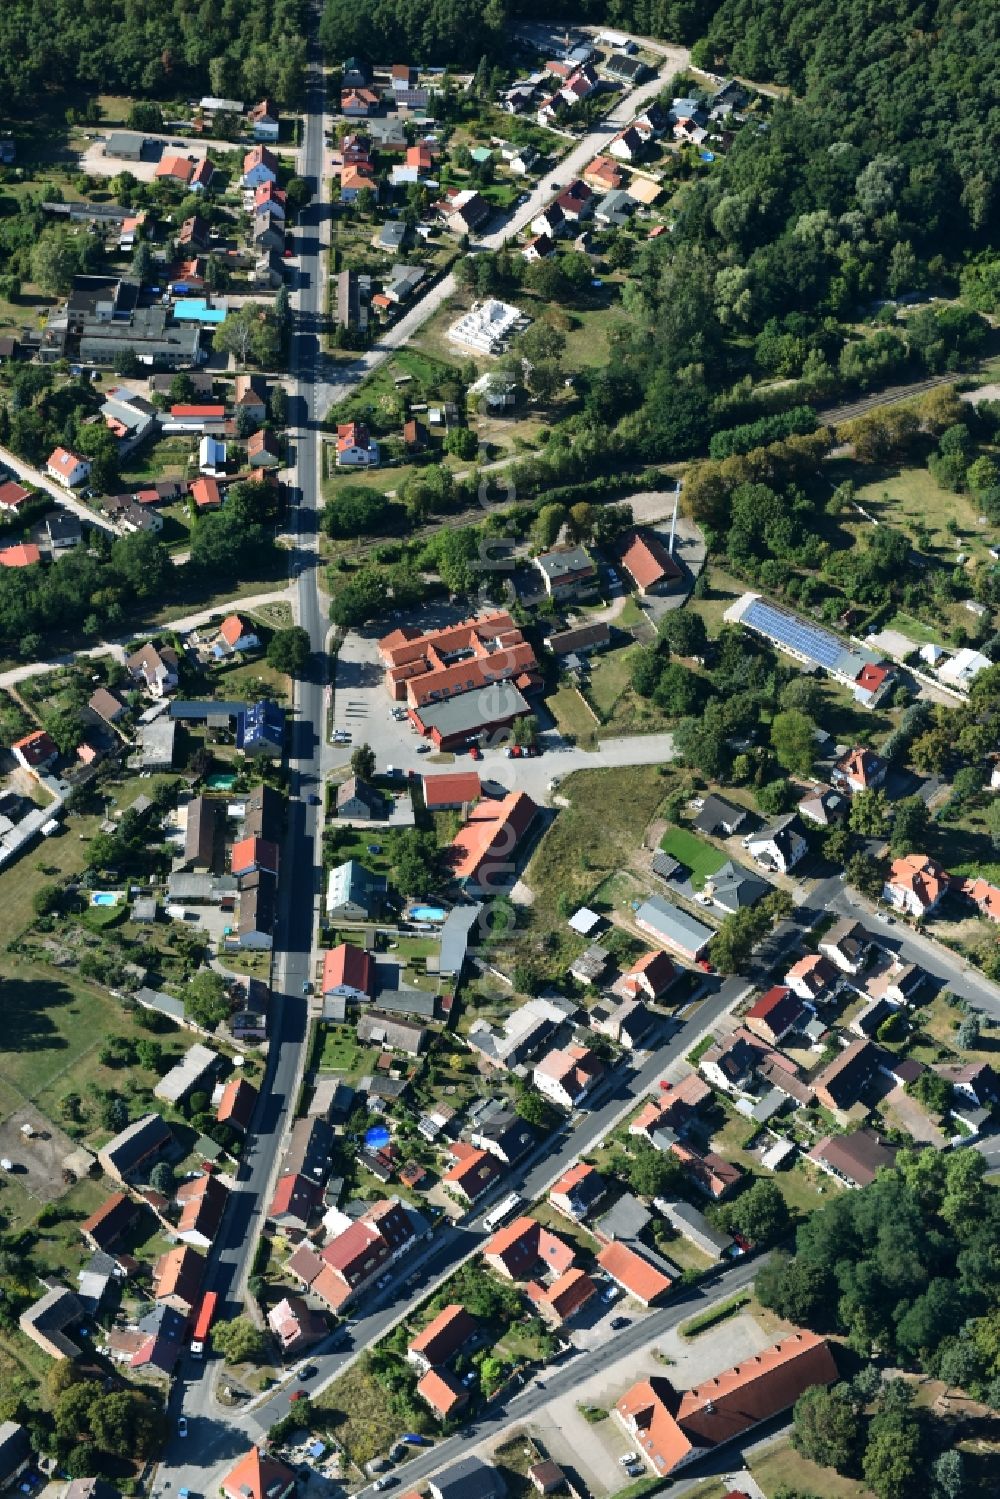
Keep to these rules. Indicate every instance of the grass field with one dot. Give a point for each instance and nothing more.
(597, 833)
(912, 499)
(914, 629)
(573, 715)
(781, 1464)
(701, 858)
(340, 1053)
(358, 1412)
(609, 677)
(723, 590)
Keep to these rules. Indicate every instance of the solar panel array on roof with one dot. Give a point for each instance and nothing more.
(786, 629)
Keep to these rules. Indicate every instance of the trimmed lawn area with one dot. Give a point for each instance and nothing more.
(914, 629)
(573, 715)
(911, 498)
(610, 676)
(340, 1053)
(51, 1021)
(53, 862)
(701, 858)
(781, 1464)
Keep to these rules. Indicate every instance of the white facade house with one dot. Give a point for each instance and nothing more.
(211, 455)
(67, 468)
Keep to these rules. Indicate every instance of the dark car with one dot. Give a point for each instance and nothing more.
(619, 1322)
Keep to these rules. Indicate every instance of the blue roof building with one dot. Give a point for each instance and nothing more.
(260, 729)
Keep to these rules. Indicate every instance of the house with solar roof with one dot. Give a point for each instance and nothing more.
(868, 676)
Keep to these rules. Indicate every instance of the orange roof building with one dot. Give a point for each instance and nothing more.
(236, 1106)
(258, 1476)
(649, 977)
(566, 1295)
(177, 1277)
(482, 852)
(206, 493)
(451, 789)
(425, 667)
(442, 1392)
(984, 896)
(520, 1248)
(13, 495)
(473, 1172)
(673, 1426)
(22, 554)
(177, 168)
(916, 884)
(254, 856)
(350, 971)
(647, 562)
(443, 1336)
(636, 1275)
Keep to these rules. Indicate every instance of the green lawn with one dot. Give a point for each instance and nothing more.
(573, 716)
(914, 629)
(340, 1053)
(781, 1464)
(723, 590)
(609, 677)
(701, 858)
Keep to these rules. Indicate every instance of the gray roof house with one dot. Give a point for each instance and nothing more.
(692, 1225)
(392, 1030)
(136, 1146)
(15, 1450)
(353, 892)
(48, 1320)
(469, 1478)
(733, 888)
(674, 928)
(780, 845)
(719, 818)
(194, 1070)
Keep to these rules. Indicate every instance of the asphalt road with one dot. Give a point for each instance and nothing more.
(210, 1437)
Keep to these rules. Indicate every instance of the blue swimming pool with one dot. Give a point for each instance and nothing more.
(105, 897)
(197, 310)
(426, 913)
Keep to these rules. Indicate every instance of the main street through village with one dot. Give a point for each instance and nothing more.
(218, 1434)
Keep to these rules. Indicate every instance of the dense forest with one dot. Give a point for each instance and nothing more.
(165, 49)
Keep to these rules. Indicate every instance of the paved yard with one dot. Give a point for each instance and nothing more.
(594, 1449)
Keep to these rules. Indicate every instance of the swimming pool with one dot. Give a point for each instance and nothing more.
(426, 913)
(105, 897)
(220, 783)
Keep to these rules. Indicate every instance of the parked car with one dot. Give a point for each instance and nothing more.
(182, 1426)
(619, 1322)
(475, 753)
(386, 1482)
(628, 1457)
(423, 749)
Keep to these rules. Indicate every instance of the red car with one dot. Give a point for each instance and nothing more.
(300, 1395)
(475, 753)
(705, 965)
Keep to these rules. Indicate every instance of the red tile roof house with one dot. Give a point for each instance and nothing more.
(482, 853)
(860, 770)
(442, 1392)
(559, 1302)
(566, 1077)
(22, 554)
(254, 856)
(257, 1476)
(650, 976)
(984, 896)
(473, 1173)
(177, 168)
(811, 976)
(577, 1191)
(259, 165)
(178, 1277)
(13, 496)
(674, 1109)
(294, 1202)
(637, 1276)
(68, 468)
(441, 1339)
(517, 1250)
(451, 790)
(775, 1014)
(236, 1106)
(295, 1325)
(647, 562)
(203, 1202)
(916, 885)
(352, 1260)
(673, 1427)
(711, 1172)
(235, 635)
(349, 972)
(206, 493)
(35, 752)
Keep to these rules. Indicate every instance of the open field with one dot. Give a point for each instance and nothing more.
(781, 1464)
(609, 677)
(572, 715)
(723, 590)
(912, 499)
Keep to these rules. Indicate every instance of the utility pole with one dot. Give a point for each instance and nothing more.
(673, 518)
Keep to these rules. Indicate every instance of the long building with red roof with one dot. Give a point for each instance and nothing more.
(482, 852)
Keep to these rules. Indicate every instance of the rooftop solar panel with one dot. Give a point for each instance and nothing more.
(786, 629)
